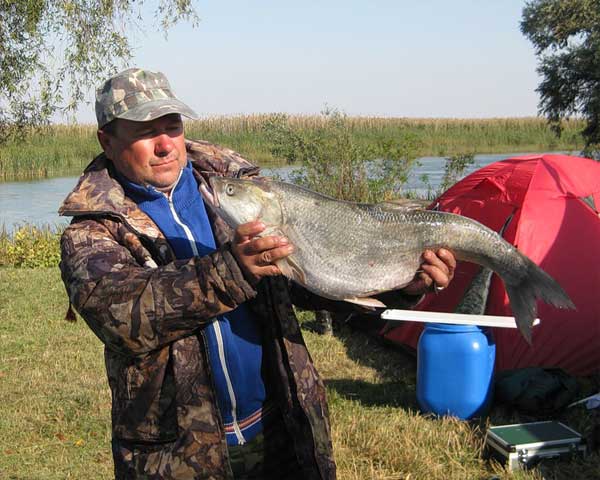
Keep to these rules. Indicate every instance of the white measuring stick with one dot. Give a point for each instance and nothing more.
(596, 395)
(455, 318)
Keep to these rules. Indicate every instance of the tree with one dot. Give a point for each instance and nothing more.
(566, 37)
(53, 51)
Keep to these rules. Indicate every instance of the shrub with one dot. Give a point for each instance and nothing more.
(455, 168)
(337, 163)
(30, 246)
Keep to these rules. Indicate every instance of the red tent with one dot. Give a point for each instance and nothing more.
(555, 200)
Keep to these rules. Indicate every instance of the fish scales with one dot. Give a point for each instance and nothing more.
(354, 258)
(334, 256)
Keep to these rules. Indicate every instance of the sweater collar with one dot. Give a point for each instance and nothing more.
(185, 186)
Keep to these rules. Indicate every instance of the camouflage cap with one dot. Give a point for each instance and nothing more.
(137, 94)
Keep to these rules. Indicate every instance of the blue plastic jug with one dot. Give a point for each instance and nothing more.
(455, 369)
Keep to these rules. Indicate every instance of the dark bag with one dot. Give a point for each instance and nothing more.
(536, 390)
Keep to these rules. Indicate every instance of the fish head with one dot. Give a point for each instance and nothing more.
(240, 201)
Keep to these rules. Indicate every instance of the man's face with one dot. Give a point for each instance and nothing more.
(148, 153)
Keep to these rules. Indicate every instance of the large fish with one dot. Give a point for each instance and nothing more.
(351, 251)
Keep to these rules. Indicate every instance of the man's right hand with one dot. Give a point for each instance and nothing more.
(257, 255)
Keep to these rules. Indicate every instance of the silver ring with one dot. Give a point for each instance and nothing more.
(265, 259)
(437, 288)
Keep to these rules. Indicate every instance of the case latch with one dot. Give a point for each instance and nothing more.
(523, 456)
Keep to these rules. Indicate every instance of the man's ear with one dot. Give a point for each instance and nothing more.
(106, 142)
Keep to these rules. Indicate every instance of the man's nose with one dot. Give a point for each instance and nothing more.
(163, 145)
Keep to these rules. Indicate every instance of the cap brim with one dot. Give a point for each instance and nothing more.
(157, 108)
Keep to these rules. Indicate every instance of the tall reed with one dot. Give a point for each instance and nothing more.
(67, 149)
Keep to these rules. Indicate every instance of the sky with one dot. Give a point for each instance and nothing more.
(427, 59)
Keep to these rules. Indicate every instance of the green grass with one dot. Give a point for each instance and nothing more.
(60, 150)
(55, 421)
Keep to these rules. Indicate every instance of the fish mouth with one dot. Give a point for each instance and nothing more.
(208, 193)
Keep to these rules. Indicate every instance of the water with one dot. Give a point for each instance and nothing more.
(432, 168)
(36, 202)
(33, 202)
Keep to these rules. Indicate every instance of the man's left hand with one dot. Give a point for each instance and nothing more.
(436, 272)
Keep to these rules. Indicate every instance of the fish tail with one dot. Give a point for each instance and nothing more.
(523, 293)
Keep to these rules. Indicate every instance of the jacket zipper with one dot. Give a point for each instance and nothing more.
(218, 334)
(236, 427)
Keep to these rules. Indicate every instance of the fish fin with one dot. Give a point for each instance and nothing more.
(404, 204)
(474, 300)
(272, 230)
(523, 294)
(366, 302)
(290, 269)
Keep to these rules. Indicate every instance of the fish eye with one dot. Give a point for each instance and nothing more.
(229, 189)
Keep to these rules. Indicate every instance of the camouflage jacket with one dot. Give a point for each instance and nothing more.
(149, 309)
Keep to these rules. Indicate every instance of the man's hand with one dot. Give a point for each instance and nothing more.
(436, 272)
(257, 256)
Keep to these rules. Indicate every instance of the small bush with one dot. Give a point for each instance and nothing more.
(337, 163)
(30, 246)
(455, 168)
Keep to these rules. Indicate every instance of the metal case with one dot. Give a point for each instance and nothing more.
(524, 444)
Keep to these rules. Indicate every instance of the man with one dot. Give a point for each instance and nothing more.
(209, 374)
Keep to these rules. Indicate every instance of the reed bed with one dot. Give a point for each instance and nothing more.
(50, 151)
(67, 149)
(437, 137)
